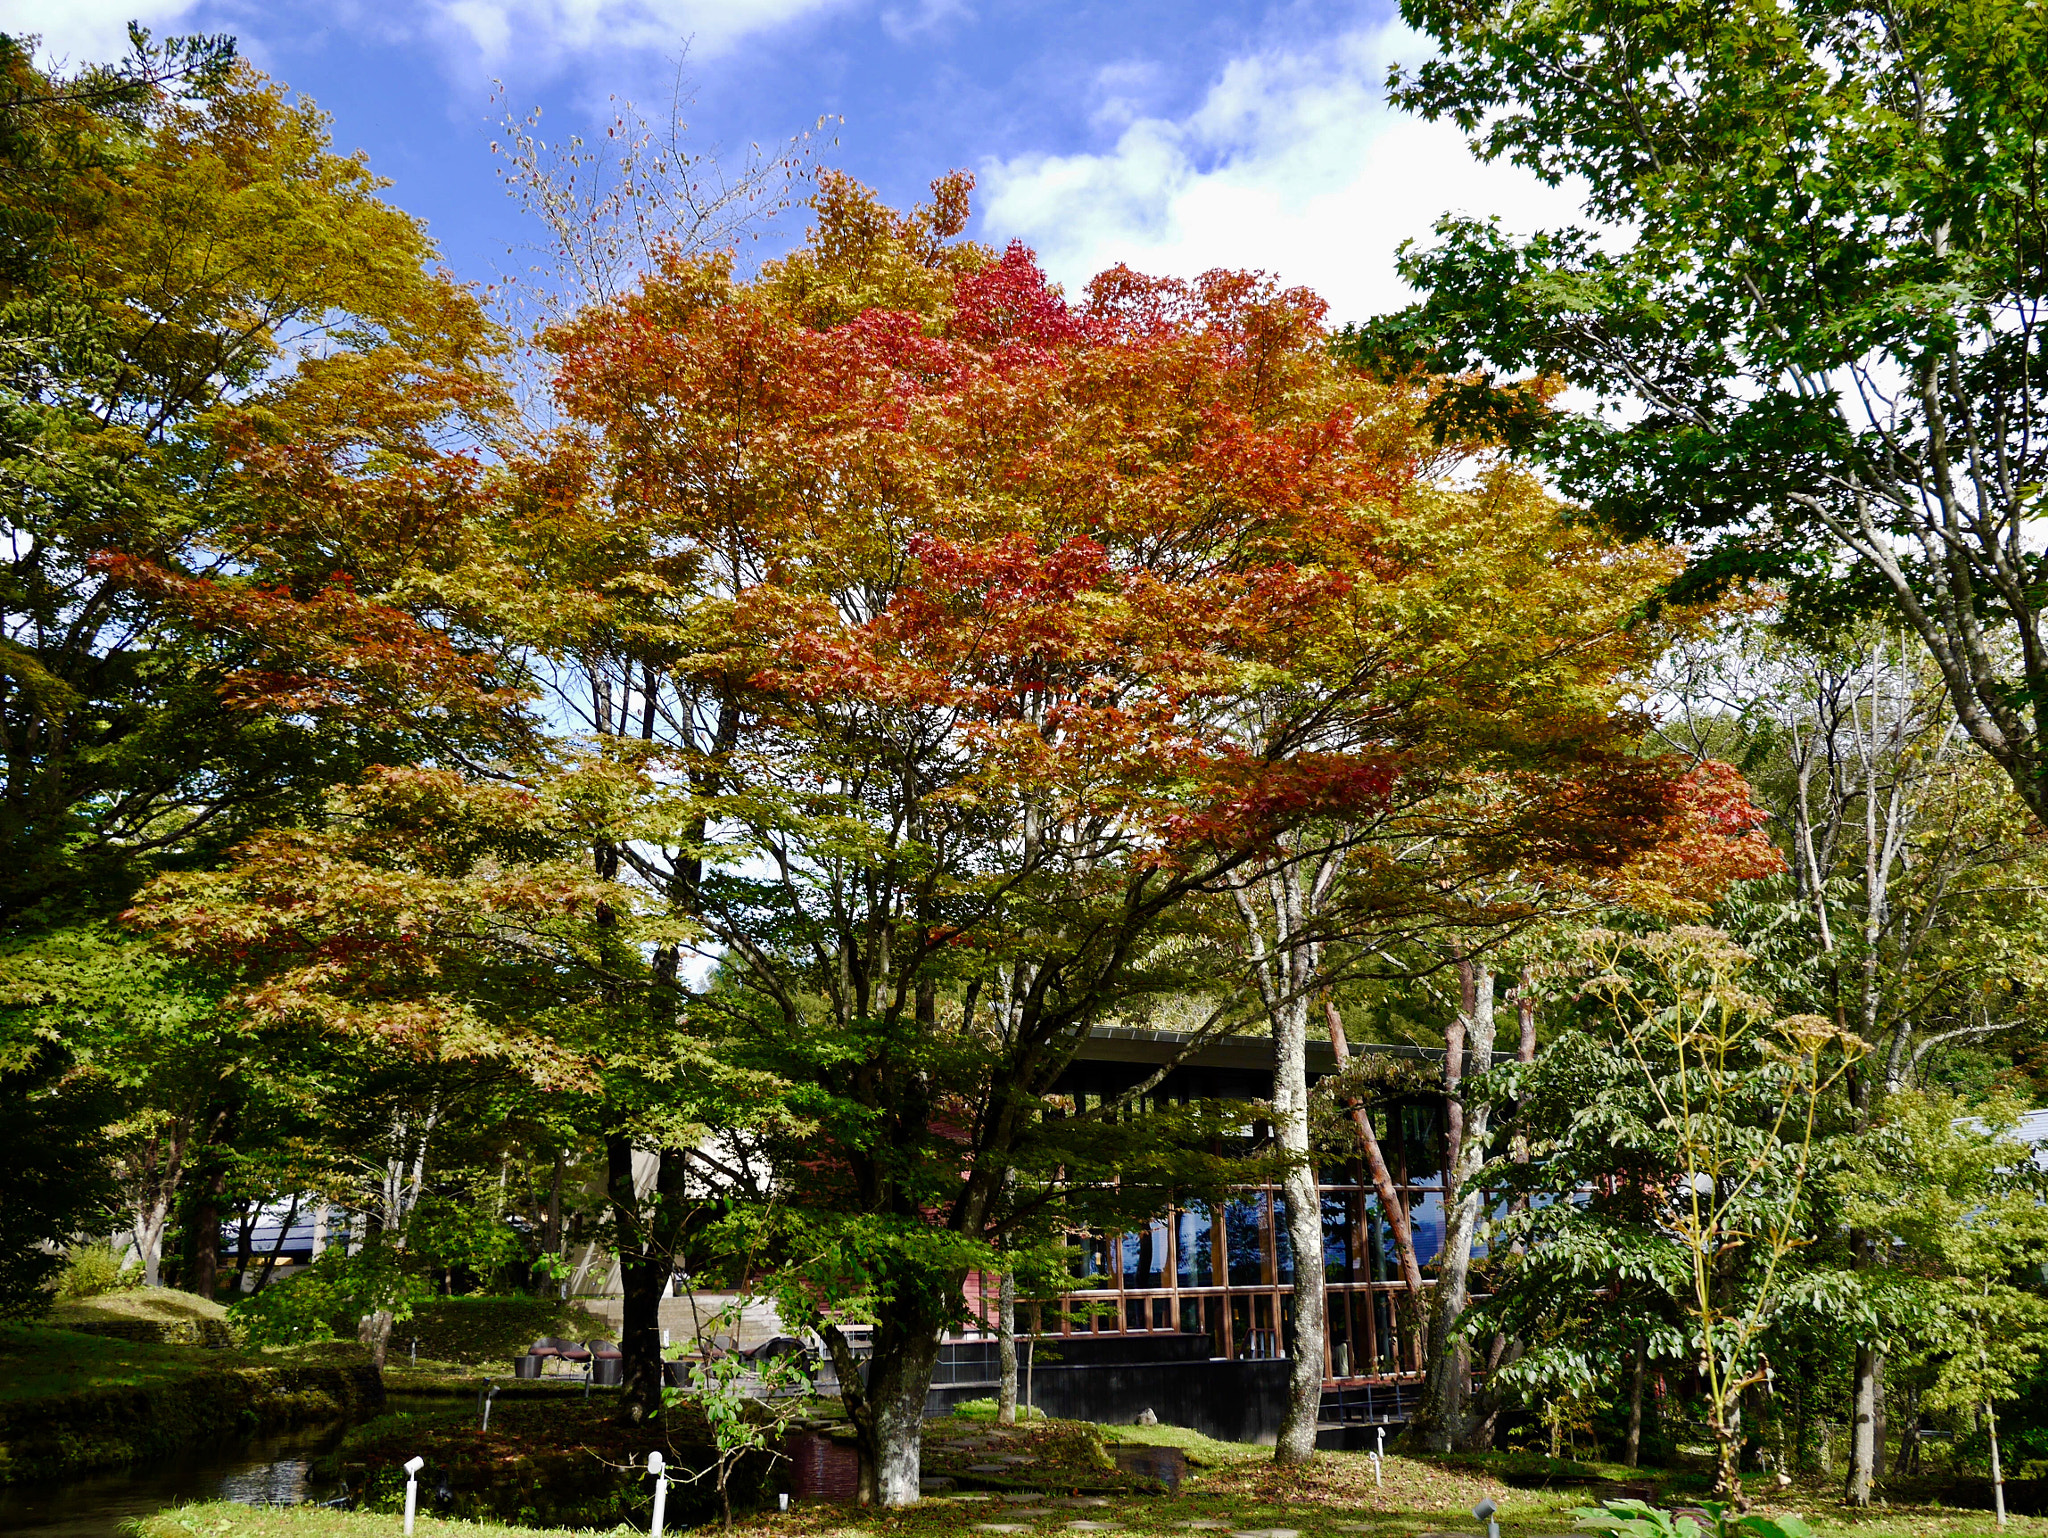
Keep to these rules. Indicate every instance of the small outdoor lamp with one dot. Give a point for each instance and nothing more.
(657, 1468)
(412, 1489)
(1484, 1512)
(490, 1394)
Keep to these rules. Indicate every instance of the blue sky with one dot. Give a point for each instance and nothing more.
(1174, 137)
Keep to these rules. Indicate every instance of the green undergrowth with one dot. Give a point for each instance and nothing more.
(149, 1315)
(227, 1519)
(72, 1402)
(1336, 1499)
(1202, 1452)
(558, 1463)
(488, 1332)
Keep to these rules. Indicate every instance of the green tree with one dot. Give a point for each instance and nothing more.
(1674, 1142)
(1813, 271)
(1963, 1203)
(53, 1139)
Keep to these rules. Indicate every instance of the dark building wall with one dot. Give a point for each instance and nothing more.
(1231, 1401)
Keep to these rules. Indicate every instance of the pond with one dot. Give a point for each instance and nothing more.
(260, 1471)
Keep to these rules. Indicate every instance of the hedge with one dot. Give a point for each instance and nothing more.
(485, 1331)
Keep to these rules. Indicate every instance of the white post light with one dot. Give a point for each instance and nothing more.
(1375, 1469)
(782, 1501)
(1484, 1512)
(490, 1394)
(412, 1489)
(656, 1467)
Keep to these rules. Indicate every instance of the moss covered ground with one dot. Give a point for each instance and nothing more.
(71, 1401)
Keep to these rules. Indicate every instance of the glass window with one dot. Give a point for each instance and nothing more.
(1194, 1253)
(1337, 1237)
(1190, 1315)
(1283, 1243)
(1426, 1224)
(1422, 1142)
(1134, 1313)
(1162, 1313)
(1144, 1254)
(1244, 1225)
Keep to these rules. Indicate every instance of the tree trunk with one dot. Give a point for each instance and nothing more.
(276, 1249)
(1391, 1209)
(887, 1410)
(1439, 1426)
(1006, 1349)
(1296, 1442)
(163, 1163)
(1904, 1461)
(1997, 1468)
(1638, 1370)
(642, 1270)
(205, 1277)
(245, 1243)
(374, 1330)
(551, 1226)
(1866, 1439)
(151, 1217)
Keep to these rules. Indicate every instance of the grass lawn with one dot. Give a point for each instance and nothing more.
(151, 1305)
(37, 1361)
(1231, 1489)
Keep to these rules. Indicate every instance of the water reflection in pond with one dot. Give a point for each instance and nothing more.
(266, 1471)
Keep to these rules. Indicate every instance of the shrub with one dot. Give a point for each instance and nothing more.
(485, 1331)
(328, 1298)
(92, 1271)
(985, 1410)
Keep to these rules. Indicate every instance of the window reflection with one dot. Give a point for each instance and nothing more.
(1283, 1243)
(1245, 1237)
(1336, 1237)
(1144, 1255)
(1194, 1250)
(1426, 1222)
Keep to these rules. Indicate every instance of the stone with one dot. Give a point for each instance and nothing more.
(1204, 1525)
(1146, 1417)
(1002, 1527)
(988, 1468)
(1266, 1532)
(1085, 1500)
(1090, 1527)
(1019, 1497)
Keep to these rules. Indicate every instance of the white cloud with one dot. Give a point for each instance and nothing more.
(509, 37)
(88, 31)
(1293, 163)
(524, 33)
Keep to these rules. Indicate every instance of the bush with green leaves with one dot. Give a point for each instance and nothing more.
(92, 1271)
(328, 1297)
(482, 1331)
(453, 1233)
(1639, 1519)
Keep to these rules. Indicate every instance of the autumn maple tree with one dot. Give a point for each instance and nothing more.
(932, 608)
(237, 416)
